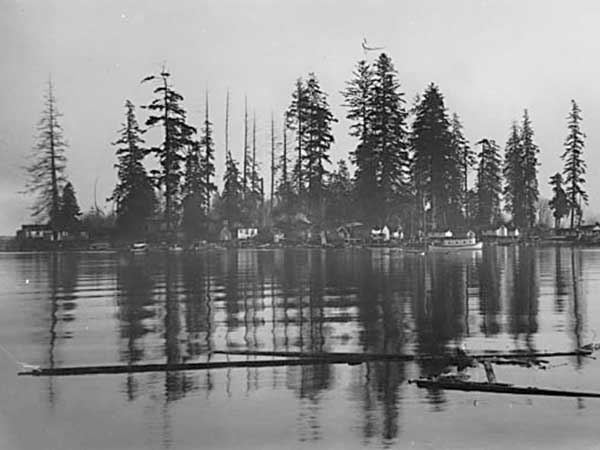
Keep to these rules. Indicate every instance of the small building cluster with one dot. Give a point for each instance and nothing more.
(43, 236)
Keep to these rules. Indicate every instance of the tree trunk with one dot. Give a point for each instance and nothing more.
(168, 192)
(272, 159)
(207, 156)
(244, 176)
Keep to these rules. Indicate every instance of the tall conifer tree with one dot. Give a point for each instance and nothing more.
(575, 166)
(319, 140)
(436, 166)
(46, 170)
(529, 155)
(167, 112)
(69, 217)
(273, 164)
(233, 193)
(194, 191)
(285, 188)
(310, 117)
(296, 117)
(134, 193)
(358, 97)
(389, 136)
(208, 160)
(489, 183)
(513, 176)
(339, 195)
(465, 154)
(246, 158)
(376, 107)
(559, 202)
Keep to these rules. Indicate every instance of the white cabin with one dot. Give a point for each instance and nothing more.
(246, 233)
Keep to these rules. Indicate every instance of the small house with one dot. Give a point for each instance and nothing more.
(590, 230)
(246, 233)
(278, 236)
(35, 231)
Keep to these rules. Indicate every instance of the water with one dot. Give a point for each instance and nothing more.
(101, 308)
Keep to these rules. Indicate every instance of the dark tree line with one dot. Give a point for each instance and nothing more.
(409, 169)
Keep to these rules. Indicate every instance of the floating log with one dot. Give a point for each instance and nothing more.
(320, 355)
(402, 357)
(116, 369)
(292, 359)
(524, 362)
(496, 388)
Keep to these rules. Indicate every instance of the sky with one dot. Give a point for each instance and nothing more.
(491, 60)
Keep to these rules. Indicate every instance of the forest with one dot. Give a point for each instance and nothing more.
(409, 169)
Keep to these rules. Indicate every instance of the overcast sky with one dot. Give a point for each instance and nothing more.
(491, 60)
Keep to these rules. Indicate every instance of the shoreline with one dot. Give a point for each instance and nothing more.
(407, 248)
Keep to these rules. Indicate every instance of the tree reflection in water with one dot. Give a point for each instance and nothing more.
(63, 272)
(523, 297)
(177, 308)
(134, 300)
(489, 291)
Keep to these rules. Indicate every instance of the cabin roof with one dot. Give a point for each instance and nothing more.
(36, 227)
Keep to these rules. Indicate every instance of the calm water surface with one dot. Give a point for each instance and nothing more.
(101, 308)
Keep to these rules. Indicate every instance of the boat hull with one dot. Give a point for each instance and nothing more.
(446, 248)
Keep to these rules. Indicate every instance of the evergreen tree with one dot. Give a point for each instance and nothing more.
(436, 166)
(376, 108)
(169, 114)
(529, 152)
(575, 166)
(69, 210)
(489, 183)
(339, 195)
(232, 197)
(513, 176)
(559, 202)
(285, 188)
(273, 163)
(389, 136)
(253, 191)
(296, 117)
(358, 97)
(46, 170)
(134, 194)
(208, 161)
(194, 192)
(310, 117)
(233, 193)
(256, 181)
(465, 154)
(246, 173)
(319, 140)
(284, 159)
(472, 206)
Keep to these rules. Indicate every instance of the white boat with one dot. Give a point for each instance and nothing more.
(139, 248)
(175, 248)
(453, 243)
